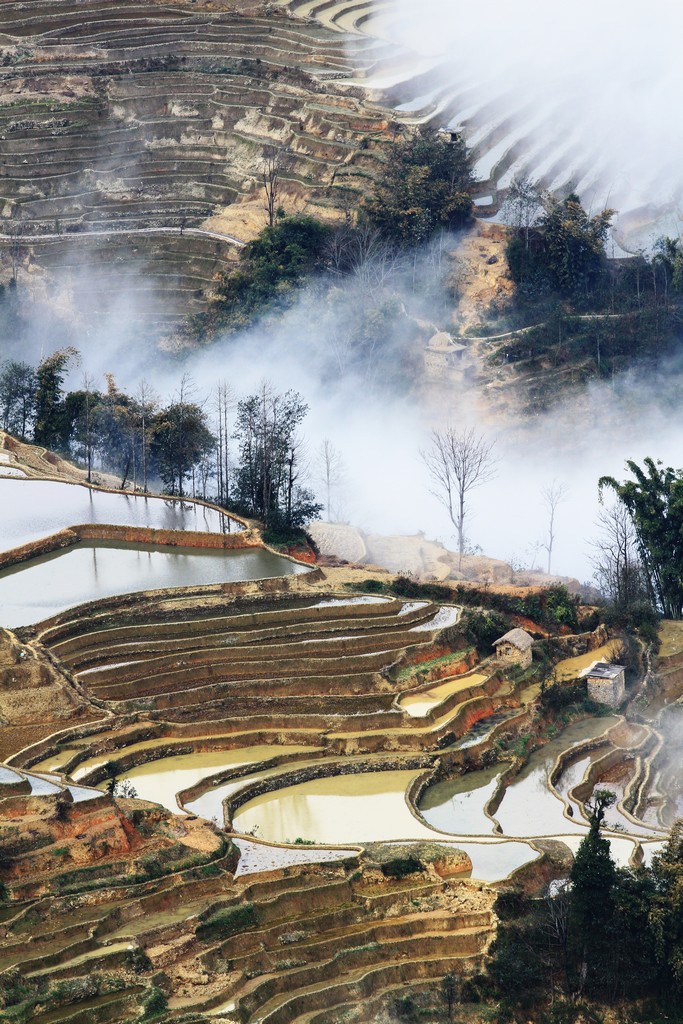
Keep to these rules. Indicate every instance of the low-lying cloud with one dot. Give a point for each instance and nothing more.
(379, 416)
(593, 86)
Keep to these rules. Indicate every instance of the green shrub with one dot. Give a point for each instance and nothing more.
(154, 1003)
(227, 922)
(272, 268)
(511, 904)
(561, 695)
(481, 629)
(400, 867)
(404, 586)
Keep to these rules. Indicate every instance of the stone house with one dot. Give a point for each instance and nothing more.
(442, 354)
(514, 648)
(606, 683)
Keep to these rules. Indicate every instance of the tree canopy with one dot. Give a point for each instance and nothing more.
(654, 502)
(610, 933)
(268, 480)
(272, 267)
(426, 185)
(564, 250)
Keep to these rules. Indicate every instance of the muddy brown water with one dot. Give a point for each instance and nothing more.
(570, 668)
(420, 704)
(91, 570)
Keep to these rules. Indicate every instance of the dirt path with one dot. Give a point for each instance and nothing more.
(479, 274)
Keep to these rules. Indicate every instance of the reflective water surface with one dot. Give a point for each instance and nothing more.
(161, 780)
(370, 807)
(457, 805)
(92, 570)
(32, 509)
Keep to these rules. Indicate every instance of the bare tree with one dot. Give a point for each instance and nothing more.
(458, 461)
(272, 166)
(617, 566)
(148, 403)
(225, 402)
(87, 421)
(522, 205)
(552, 495)
(364, 254)
(331, 472)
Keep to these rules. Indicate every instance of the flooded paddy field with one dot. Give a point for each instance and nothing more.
(366, 808)
(33, 509)
(303, 777)
(571, 668)
(160, 781)
(420, 704)
(91, 570)
(528, 805)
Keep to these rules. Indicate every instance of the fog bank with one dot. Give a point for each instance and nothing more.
(590, 89)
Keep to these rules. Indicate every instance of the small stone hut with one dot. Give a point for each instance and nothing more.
(606, 683)
(442, 354)
(514, 648)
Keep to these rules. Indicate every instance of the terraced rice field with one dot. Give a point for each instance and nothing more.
(244, 694)
(508, 132)
(134, 134)
(127, 127)
(286, 717)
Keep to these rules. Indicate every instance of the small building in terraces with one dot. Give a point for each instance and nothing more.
(606, 683)
(442, 354)
(514, 648)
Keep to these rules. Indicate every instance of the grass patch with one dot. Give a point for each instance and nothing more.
(427, 666)
(230, 921)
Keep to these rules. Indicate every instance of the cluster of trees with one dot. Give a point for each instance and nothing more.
(644, 542)
(268, 476)
(130, 435)
(554, 245)
(610, 310)
(271, 270)
(248, 456)
(610, 933)
(425, 188)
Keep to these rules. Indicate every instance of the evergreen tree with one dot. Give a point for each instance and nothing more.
(666, 913)
(17, 397)
(180, 440)
(426, 185)
(268, 479)
(591, 914)
(654, 501)
(51, 429)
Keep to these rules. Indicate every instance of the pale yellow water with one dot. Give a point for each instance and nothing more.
(163, 741)
(420, 704)
(570, 668)
(364, 808)
(159, 781)
(425, 729)
(55, 761)
(210, 804)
